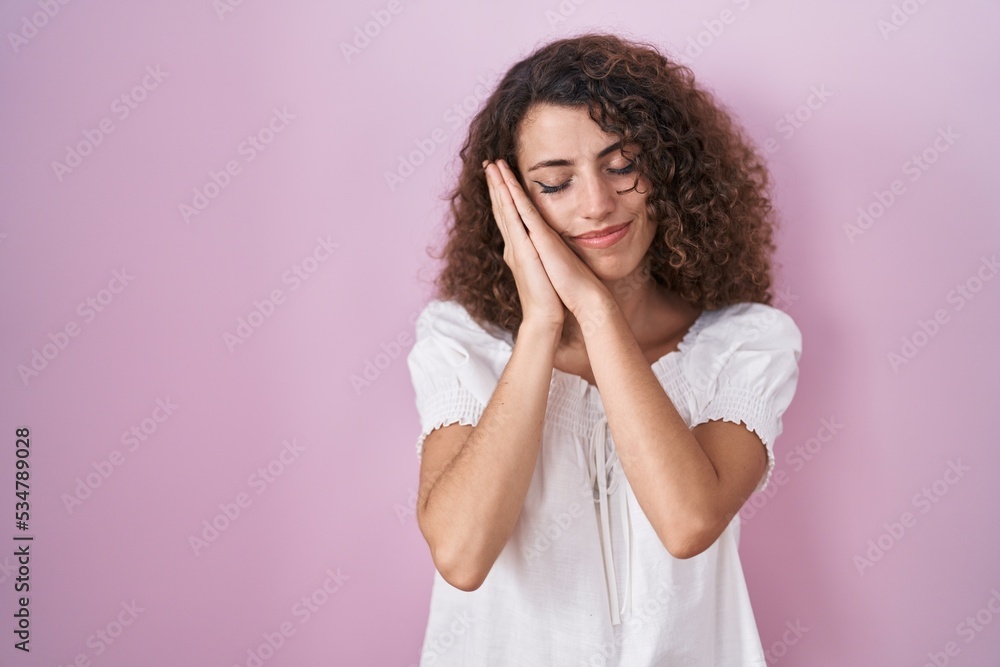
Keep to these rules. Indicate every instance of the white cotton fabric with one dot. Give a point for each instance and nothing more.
(584, 579)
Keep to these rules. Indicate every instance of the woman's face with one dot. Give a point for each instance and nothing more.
(572, 171)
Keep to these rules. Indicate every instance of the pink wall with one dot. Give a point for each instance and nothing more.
(137, 304)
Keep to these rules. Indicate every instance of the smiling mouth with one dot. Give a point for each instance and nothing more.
(607, 231)
(607, 239)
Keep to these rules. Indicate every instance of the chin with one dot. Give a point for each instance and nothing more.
(613, 269)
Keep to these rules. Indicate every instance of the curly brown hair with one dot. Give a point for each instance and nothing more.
(709, 187)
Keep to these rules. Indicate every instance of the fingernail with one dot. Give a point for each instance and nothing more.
(484, 163)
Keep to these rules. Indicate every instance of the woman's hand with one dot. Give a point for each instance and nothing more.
(574, 282)
(539, 300)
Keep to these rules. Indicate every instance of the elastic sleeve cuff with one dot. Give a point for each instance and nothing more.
(734, 404)
(454, 405)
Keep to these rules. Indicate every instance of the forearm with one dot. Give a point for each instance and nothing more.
(672, 477)
(473, 506)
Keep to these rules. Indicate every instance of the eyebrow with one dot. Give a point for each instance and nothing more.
(562, 162)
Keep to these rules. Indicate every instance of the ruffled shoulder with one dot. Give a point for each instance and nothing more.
(742, 366)
(454, 366)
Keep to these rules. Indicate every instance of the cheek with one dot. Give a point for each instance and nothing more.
(551, 212)
(639, 204)
(641, 194)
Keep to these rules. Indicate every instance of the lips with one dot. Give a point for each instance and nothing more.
(606, 239)
(601, 232)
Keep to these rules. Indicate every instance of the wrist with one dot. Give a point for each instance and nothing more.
(596, 309)
(540, 330)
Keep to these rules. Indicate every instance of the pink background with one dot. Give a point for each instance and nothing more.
(337, 502)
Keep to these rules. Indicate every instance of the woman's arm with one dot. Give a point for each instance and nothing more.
(689, 482)
(473, 480)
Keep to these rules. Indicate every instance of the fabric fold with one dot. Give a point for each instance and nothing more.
(605, 477)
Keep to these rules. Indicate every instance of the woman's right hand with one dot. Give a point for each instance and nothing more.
(539, 300)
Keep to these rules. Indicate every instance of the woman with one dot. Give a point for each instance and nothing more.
(602, 377)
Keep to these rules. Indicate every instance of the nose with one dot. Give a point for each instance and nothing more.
(597, 198)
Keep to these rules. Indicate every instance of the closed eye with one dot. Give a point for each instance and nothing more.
(549, 189)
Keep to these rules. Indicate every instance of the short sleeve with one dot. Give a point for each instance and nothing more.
(755, 350)
(454, 366)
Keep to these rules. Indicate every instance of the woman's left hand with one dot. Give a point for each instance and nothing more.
(575, 283)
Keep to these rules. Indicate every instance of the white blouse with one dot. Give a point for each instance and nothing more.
(584, 579)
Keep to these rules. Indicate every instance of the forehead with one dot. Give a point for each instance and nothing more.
(549, 131)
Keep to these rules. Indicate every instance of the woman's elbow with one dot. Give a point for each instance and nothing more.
(460, 572)
(684, 544)
(689, 549)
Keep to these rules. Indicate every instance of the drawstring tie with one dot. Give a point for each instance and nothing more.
(606, 469)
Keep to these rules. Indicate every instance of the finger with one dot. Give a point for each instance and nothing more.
(510, 224)
(542, 236)
(515, 226)
(494, 200)
(524, 206)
